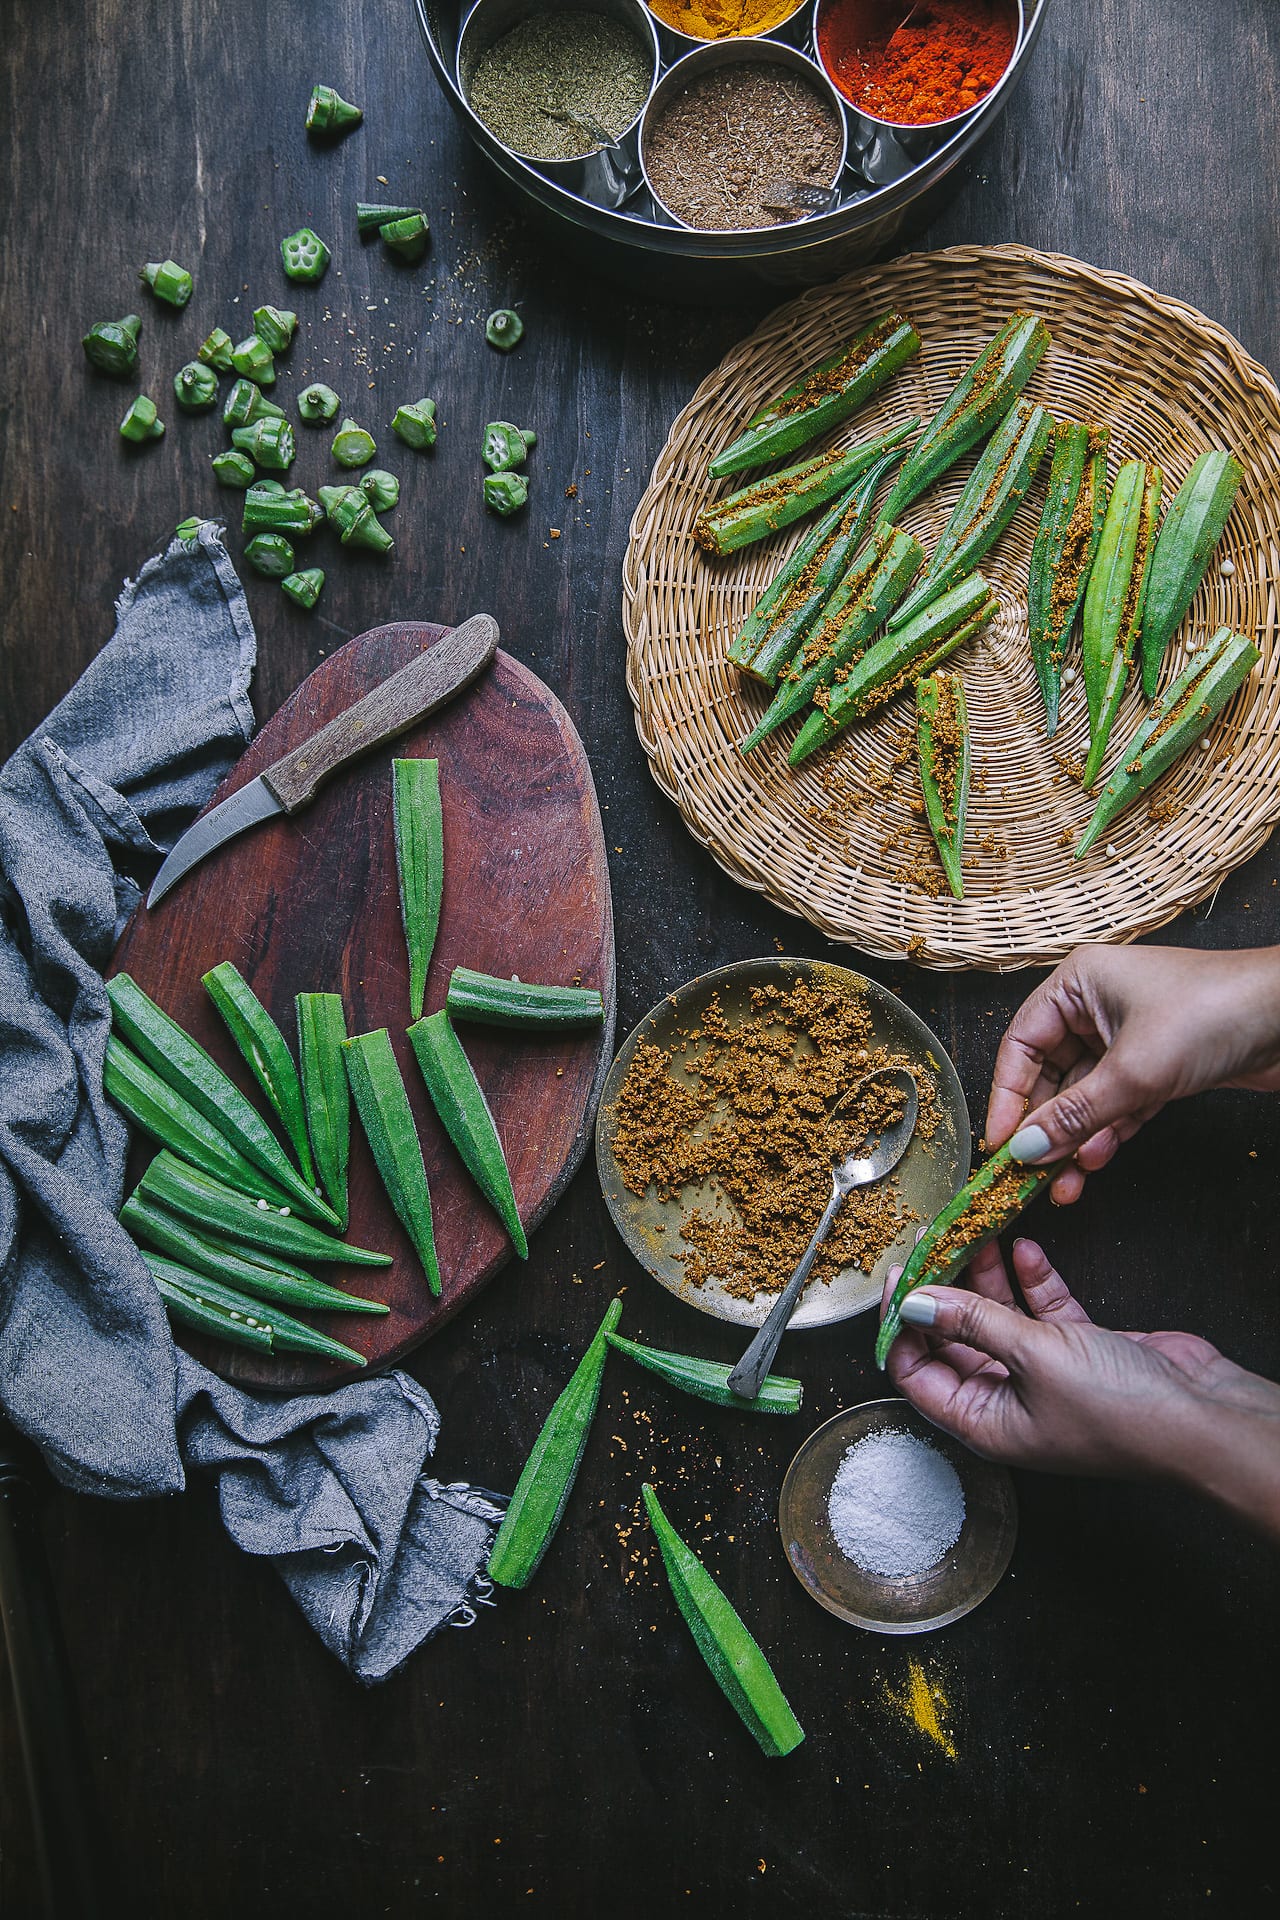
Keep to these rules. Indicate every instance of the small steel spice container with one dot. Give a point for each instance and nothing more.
(628, 238)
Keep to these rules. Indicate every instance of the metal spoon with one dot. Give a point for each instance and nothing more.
(799, 196)
(878, 1157)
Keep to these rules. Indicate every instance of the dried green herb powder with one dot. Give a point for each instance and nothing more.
(549, 67)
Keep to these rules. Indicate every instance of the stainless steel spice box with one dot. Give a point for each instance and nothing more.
(604, 214)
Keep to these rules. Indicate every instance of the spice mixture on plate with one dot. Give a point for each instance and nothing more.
(528, 84)
(718, 148)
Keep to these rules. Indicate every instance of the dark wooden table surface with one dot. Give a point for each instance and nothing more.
(1115, 1699)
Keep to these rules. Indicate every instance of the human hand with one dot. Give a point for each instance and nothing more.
(1114, 1033)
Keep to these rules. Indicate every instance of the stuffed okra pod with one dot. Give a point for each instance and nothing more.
(1114, 601)
(1192, 529)
(942, 737)
(822, 397)
(1176, 723)
(756, 511)
(458, 1098)
(1062, 556)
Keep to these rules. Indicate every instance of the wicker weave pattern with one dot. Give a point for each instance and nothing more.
(836, 840)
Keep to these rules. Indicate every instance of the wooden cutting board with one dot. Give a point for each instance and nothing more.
(312, 905)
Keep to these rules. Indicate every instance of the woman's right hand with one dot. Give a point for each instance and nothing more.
(1114, 1033)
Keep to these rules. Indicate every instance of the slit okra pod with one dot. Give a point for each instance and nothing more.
(1176, 723)
(990, 1200)
(378, 1089)
(789, 587)
(418, 822)
(171, 1121)
(977, 402)
(491, 1002)
(1063, 552)
(266, 1054)
(824, 396)
(212, 1204)
(287, 1334)
(177, 1240)
(458, 1098)
(326, 1090)
(942, 743)
(1191, 530)
(738, 1666)
(771, 504)
(1114, 601)
(709, 1379)
(186, 1305)
(546, 1480)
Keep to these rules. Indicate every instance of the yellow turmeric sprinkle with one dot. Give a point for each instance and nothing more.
(924, 1703)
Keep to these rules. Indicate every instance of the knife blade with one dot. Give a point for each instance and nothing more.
(394, 706)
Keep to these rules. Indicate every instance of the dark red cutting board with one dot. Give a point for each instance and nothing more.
(312, 905)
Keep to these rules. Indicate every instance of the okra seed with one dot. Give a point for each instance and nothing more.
(284, 1210)
(234, 1314)
(263, 1207)
(1227, 569)
(1204, 744)
(1111, 852)
(1068, 676)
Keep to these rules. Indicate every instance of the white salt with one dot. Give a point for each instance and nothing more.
(896, 1505)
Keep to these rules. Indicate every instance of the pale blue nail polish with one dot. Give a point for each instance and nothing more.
(1029, 1144)
(919, 1309)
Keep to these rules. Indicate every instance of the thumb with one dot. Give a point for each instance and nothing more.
(1103, 1099)
(1001, 1332)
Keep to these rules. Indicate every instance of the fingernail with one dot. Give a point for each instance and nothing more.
(919, 1309)
(1029, 1144)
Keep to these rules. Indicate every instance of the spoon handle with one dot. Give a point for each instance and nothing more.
(747, 1376)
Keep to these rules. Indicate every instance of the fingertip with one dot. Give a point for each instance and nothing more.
(1098, 1149)
(1066, 1187)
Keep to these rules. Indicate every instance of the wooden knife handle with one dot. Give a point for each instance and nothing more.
(391, 709)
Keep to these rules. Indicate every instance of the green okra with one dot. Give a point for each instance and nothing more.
(268, 440)
(168, 281)
(184, 1064)
(991, 1200)
(975, 405)
(824, 396)
(873, 586)
(506, 446)
(1114, 600)
(942, 743)
(275, 327)
(186, 1305)
(738, 1666)
(352, 446)
(215, 350)
(1063, 553)
(407, 238)
(328, 112)
(303, 588)
(380, 488)
(709, 1379)
(304, 256)
(897, 658)
(270, 554)
(354, 520)
(769, 505)
(287, 1335)
(318, 404)
(546, 1480)
(252, 359)
(112, 345)
(141, 421)
(233, 469)
(505, 493)
(415, 423)
(791, 586)
(246, 403)
(326, 1092)
(212, 1204)
(202, 1253)
(520, 1003)
(195, 387)
(418, 822)
(171, 1121)
(266, 1054)
(992, 495)
(459, 1100)
(378, 1089)
(1176, 723)
(270, 512)
(504, 329)
(1191, 530)
(370, 216)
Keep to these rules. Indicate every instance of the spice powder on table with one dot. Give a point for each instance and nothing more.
(718, 147)
(747, 1109)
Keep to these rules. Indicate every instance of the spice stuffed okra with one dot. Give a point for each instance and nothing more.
(1176, 723)
(266, 1054)
(1114, 601)
(418, 821)
(214, 1205)
(942, 737)
(1063, 552)
(822, 397)
(709, 1379)
(383, 1105)
(1192, 529)
(768, 506)
(523, 1004)
(458, 1098)
(286, 1335)
(738, 1666)
(791, 586)
(546, 1480)
(326, 1091)
(291, 1287)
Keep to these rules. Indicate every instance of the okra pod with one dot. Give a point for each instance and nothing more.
(167, 1234)
(737, 1664)
(216, 350)
(328, 112)
(885, 668)
(942, 738)
(822, 397)
(370, 215)
(212, 1204)
(195, 387)
(112, 345)
(995, 489)
(774, 503)
(171, 1121)
(292, 513)
(1114, 601)
(186, 1305)
(418, 820)
(387, 1119)
(790, 586)
(863, 601)
(991, 1200)
(709, 1379)
(303, 587)
(1063, 553)
(1176, 723)
(266, 1054)
(287, 1335)
(268, 440)
(246, 403)
(972, 409)
(354, 520)
(1192, 529)
(547, 1478)
(275, 327)
(168, 281)
(520, 1003)
(184, 1064)
(459, 1100)
(322, 1032)
(408, 238)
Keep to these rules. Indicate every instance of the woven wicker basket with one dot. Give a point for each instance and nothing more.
(837, 840)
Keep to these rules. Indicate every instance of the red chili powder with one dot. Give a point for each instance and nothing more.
(940, 62)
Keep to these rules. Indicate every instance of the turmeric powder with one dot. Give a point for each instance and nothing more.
(722, 19)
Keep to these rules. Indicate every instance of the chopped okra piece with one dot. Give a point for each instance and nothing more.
(303, 588)
(271, 554)
(216, 351)
(275, 325)
(504, 329)
(356, 523)
(246, 403)
(195, 387)
(168, 281)
(408, 237)
(233, 469)
(505, 493)
(112, 345)
(252, 360)
(140, 423)
(268, 441)
(318, 404)
(352, 446)
(415, 423)
(328, 112)
(304, 254)
(371, 217)
(188, 530)
(380, 489)
(506, 446)
(266, 510)
(275, 487)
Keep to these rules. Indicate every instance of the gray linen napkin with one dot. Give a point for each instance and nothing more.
(330, 1487)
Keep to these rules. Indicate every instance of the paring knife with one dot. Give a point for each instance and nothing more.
(392, 708)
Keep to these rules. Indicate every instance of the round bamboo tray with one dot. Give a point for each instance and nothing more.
(837, 840)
